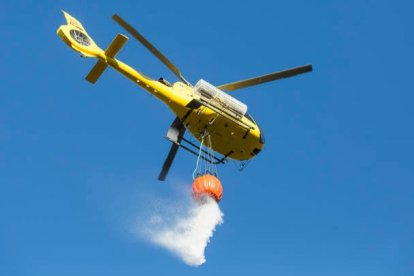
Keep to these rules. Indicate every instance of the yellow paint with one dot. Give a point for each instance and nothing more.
(228, 133)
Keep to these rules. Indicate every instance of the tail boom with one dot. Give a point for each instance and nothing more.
(76, 37)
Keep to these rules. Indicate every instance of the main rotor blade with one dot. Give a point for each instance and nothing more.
(175, 135)
(168, 162)
(149, 46)
(266, 78)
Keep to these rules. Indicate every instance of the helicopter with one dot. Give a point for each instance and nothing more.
(202, 109)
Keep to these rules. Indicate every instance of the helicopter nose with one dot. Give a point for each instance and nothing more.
(262, 138)
(262, 141)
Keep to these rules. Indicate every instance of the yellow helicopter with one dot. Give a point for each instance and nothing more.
(203, 109)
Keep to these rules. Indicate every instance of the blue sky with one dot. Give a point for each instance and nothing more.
(331, 194)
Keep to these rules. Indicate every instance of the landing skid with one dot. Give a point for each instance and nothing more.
(212, 158)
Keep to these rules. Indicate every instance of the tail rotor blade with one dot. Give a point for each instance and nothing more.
(149, 46)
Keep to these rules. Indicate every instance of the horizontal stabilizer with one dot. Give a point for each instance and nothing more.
(110, 52)
(96, 71)
(116, 45)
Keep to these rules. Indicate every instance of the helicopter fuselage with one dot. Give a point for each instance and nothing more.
(234, 135)
(239, 138)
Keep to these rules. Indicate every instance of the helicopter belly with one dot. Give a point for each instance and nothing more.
(227, 137)
(231, 136)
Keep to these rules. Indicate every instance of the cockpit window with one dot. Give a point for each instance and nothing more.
(250, 118)
(262, 138)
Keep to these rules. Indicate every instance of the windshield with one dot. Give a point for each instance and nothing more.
(250, 118)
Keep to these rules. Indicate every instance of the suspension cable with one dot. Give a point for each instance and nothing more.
(204, 164)
(200, 151)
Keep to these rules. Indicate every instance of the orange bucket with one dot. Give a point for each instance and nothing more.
(207, 184)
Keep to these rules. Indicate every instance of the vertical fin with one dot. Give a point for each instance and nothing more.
(73, 21)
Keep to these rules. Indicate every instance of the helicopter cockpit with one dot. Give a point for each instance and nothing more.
(262, 137)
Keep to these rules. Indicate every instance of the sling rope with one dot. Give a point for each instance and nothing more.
(205, 163)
